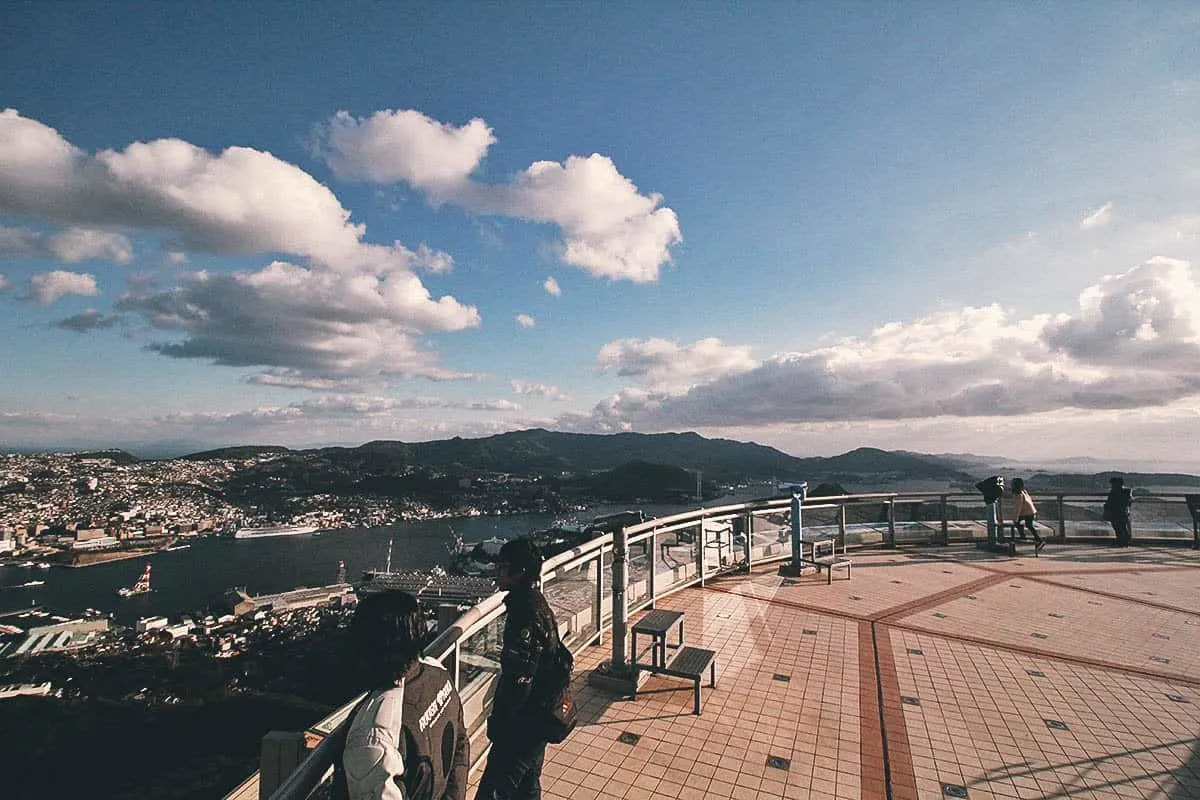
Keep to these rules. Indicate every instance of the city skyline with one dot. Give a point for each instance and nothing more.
(932, 228)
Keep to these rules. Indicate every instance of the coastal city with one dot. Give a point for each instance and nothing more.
(81, 510)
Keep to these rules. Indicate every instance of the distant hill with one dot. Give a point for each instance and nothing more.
(1088, 484)
(238, 452)
(117, 456)
(642, 480)
(543, 452)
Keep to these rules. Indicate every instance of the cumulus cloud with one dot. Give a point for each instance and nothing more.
(1098, 218)
(353, 408)
(87, 321)
(526, 321)
(5, 285)
(1134, 342)
(531, 389)
(240, 201)
(552, 288)
(315, 323)
(70, 246)
(47, 288)
(668, 365)
(294, 379)
(354, 309)
(610, 228)
(403, 146)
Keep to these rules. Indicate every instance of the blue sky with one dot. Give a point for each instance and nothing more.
(939, 227)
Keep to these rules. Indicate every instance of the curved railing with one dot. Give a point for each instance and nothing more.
(667, 554)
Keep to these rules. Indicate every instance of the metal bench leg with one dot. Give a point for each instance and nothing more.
(712, 674)
(697, 698)
(636, 675)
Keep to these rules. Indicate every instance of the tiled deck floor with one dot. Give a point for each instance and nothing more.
(1076, 674)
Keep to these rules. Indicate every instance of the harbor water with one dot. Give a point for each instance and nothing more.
(193, 578)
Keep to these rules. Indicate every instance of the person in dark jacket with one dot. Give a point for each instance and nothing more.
(514, 766)
(1117, 510)
(406, 739)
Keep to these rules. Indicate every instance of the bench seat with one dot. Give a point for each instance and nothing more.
(690, 664)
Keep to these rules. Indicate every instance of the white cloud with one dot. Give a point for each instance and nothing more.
(295, 379)
(241, 201)
(1098, 218)
(355, 310)
(526, 321)
(47, 288)
(530, 389)
(404, 146)
(5, 285)
(1134, 343)
(494, 405)
(80, 244)
(610, 229)
(312, 323)
(70, 246)
(667, 365)
(552, 288)
(176, 258)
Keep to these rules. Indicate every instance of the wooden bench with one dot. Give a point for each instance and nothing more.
(689, 663)
(830, 561)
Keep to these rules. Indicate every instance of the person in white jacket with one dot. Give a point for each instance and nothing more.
(1024, 514)
(406, 740)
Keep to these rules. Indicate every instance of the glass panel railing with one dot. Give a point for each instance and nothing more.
(718, 547)
(676, 558)
(571, 593)
(478, 666)
(606, 584)
(917, 520)
(770, 535)
(641, 559)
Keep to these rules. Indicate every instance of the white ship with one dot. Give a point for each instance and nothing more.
(141, 587)
(273, 530)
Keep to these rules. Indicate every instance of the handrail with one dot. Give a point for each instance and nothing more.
(314, 767)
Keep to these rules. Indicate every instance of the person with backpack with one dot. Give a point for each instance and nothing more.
(530, 674)
(406, 739)
(1117, 510)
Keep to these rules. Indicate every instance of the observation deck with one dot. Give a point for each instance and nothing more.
(938, 670)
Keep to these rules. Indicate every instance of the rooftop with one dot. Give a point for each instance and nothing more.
(934, 672)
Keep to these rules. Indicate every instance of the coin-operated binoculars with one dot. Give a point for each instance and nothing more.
(992, 489)
(795, 567)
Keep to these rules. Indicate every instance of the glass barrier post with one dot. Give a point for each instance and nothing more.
(944, 509)
(748, 537)
(891, 537)
(1062, 518)
(841, 540)
(598, 606)
(653, 559)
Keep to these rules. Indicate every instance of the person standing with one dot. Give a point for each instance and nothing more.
(406, 740)
(1117, 510)
(1024, 514)
(514, 766)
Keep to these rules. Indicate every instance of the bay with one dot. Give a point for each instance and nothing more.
(192, 579)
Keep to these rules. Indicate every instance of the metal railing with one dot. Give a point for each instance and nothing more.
(653, 559)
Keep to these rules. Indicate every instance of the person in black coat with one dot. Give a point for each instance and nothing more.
(1117, 507)
(514, 766)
